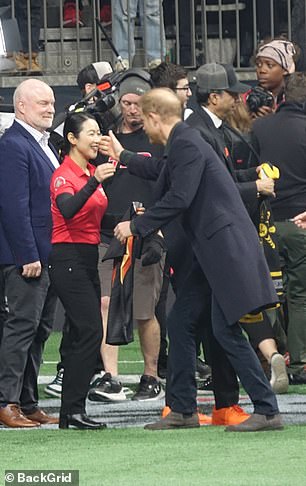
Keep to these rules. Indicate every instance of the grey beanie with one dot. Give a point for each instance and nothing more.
(134, 85)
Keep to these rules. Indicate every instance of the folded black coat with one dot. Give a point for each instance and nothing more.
(120, 314)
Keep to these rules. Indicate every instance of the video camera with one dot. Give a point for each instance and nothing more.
(103, 101)
(259, 97)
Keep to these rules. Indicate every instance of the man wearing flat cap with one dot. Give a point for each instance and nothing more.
(217, 92)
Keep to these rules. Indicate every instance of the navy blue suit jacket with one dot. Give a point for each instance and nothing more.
(194, 183)
(25, 208)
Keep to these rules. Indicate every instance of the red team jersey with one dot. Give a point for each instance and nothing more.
(84, 227)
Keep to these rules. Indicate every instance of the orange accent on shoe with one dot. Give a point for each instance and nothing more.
(165, 411)
(203, 419)
(229, 415)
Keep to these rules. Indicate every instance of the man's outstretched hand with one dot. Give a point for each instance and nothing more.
(122, 231)
(110, 145)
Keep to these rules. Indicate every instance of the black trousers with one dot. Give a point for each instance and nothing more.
(28, 324)
(64, 349)
(195, 307)
(74, 275)
(240, 357)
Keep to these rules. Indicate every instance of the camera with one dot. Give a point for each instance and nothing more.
(258, 97)
(103, 101)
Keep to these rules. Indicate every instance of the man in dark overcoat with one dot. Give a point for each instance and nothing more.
(194, 183)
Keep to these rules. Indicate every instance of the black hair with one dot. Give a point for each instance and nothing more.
(87, 75)
(295, 88)
(201, 96)
(167, 74)
(73, 124)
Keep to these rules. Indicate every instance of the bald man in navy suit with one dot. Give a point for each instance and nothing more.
(26, 166)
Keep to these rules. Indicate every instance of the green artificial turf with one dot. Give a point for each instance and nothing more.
(123, 457)
(136, 457)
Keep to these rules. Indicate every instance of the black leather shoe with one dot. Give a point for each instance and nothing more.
(79, 421)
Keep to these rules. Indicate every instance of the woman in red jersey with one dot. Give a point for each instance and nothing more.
(78, 203)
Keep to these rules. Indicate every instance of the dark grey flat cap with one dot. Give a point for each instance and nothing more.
(219, 77)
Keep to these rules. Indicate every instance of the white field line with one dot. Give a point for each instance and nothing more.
(120, 362)
(125, 379)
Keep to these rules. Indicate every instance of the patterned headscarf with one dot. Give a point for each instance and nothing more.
(281, 51)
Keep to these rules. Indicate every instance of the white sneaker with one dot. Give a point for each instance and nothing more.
(54, 389)
(279, 377)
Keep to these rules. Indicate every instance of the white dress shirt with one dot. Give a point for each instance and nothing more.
(42, 139)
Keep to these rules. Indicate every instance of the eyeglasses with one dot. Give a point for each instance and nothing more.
(185, 88)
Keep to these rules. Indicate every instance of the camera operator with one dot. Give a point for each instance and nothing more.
(274, 60)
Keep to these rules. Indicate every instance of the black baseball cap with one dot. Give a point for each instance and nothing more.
(219, 77)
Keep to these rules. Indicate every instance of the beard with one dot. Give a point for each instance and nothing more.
(136, 123)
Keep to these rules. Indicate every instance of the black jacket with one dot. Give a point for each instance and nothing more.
(245, 179)
(194, 183)
(280, 138)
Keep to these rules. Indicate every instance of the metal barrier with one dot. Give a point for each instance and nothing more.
(197, 31)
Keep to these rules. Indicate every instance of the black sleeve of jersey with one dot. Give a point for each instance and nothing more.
(139, 165)
(69, 204)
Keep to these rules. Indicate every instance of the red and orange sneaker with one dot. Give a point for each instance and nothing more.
(203, 419)
(106, 15)
(70, 15)
(229, 415)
